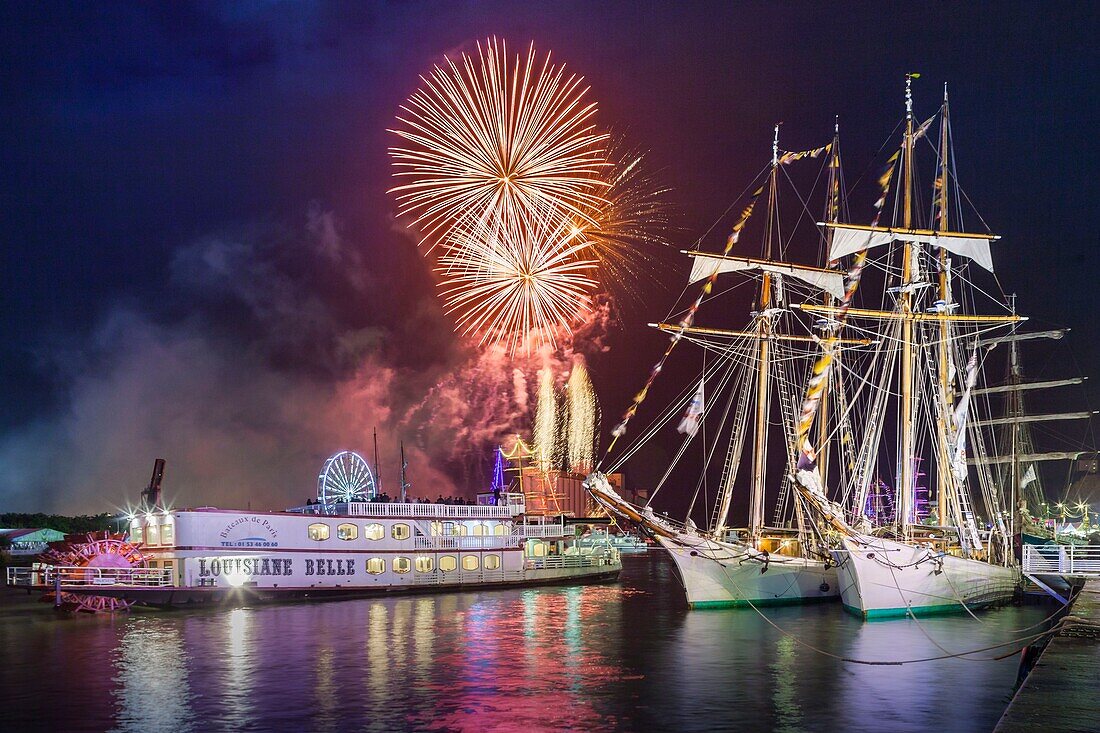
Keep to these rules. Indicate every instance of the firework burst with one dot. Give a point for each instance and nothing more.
(489, 137)
(547, 437)
(631, 224)
(502, 167)
(517, 282)
(582, 415)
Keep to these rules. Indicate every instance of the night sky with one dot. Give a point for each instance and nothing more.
(200, 260)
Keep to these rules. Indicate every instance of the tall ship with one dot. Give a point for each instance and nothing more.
(947, 544)
(1019, 461)
(349, 542)
(749, 387)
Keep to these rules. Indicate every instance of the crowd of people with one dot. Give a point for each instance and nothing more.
(385, 498)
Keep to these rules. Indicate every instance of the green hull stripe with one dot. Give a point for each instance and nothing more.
(883, 613)
(761, 602)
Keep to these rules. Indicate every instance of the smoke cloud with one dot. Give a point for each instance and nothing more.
(287, 348)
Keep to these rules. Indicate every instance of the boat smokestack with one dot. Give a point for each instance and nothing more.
(150, 496)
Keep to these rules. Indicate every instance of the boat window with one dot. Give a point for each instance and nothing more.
(400, 531)
(347, 531)
(424, 564)
(318, 531)
(137, 534)
(447, 563)
(374, 531)
(436, 528)
(492, 562)
(500, 530)
(469, 562)
(538, 549)
(479, 529)
(376, 565)
(401, 565)
(152, 535)
(448, 529)
(167, 534)
(460, 529)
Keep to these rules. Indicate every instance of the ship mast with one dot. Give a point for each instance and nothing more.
(1015, 412)
(905, 306)
(764, 332)
(943, 497)
(832, 214)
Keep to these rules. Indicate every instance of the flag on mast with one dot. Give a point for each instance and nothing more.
(1029, 476)
(694, 415)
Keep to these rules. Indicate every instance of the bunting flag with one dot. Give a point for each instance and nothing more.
(685, 323)
(790, 157)
(694, 415)
(920, 131)
(820, 375)
(884, 182)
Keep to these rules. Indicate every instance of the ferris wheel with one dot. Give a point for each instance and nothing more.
(345, 477)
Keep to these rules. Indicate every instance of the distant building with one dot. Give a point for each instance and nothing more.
(29, 541)
(563, 493)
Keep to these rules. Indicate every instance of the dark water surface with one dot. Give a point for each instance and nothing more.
(627, 656)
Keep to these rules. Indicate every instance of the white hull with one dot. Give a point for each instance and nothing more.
(883, 578)
(195, 555)
(729, 574)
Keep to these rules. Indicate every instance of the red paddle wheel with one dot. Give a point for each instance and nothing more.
(93, 550)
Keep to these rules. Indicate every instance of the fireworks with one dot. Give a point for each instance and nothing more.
(582, 418)
(489, 138)
(502, 167)
(631, 224)
(547, 440)
(516, 282)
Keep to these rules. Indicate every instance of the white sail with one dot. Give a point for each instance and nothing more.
(704, 265)
(849, 239)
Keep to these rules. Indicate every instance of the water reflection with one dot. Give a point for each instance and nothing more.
(787, 711)
(378, 666)
(240, 666)
(911, 695)
(150, 669)
(626, 656)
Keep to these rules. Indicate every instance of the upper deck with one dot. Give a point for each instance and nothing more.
(412, 510)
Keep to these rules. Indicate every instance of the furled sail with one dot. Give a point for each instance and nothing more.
(831, 281)
(957, 442)
(849, 239)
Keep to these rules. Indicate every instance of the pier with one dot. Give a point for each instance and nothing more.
(1059, 694)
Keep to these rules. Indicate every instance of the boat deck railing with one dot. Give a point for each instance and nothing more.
(573, 561)
(1081, 561)
(472, 577)
(519, 533)
(529, 531)
(411, 510)
(487, 542)
(49, 575)
(468, 577)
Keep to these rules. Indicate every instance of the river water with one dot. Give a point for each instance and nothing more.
(627, 656)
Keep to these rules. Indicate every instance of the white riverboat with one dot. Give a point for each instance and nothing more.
(627, 543)
(173, 557)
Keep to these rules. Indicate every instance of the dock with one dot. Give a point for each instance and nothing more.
(1060, 693)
